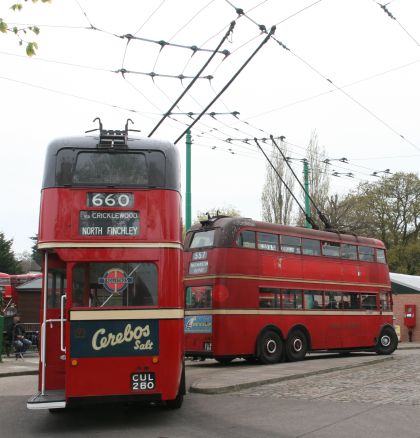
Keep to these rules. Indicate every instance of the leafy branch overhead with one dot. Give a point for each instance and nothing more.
(23, 33)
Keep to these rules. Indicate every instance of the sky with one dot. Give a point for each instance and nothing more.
(346, 70)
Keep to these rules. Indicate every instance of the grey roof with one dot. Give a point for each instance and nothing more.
(36, 283)
(403, 283)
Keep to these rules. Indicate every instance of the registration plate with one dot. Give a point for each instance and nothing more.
(143, 381)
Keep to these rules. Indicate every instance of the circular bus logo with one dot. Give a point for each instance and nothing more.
(115, 280)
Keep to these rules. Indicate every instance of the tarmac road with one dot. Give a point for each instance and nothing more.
(363, 401)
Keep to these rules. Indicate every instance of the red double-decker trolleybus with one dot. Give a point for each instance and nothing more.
(268, 292)
(112, 299)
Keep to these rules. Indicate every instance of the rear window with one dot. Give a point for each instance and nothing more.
(202, 239)
(113, 169)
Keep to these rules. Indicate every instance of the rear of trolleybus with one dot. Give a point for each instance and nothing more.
(112, 300)
(264, 291)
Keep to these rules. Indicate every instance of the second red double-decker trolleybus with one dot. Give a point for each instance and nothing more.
(263, 291)
(112, 301)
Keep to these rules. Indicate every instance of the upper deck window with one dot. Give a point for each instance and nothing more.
(311, 247)
(268, 241)
(348, 252)
(380, 256)
(116, 169)
(331, 249)
(246, 239)
(366, 253)
(203, 239)
(290, 244)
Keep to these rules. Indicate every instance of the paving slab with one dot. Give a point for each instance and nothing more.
(10, 366)
(219, 379)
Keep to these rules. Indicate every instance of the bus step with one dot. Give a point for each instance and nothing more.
(50, 400)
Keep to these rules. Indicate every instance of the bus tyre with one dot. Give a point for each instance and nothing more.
(387, 342)
(296, 346)
(224, 360)
(270, 347)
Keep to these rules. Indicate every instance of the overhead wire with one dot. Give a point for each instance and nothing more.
(64, 93)
(392, 17)
(182, 28)
(324, 93)
(227, 85)
(139, 29)
(181, 96)
(315, 70)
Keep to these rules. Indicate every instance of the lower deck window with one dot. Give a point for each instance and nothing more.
(276, 298)
(198, 297)
(270, 298)
(115, 284)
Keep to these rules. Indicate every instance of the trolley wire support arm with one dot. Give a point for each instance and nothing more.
(308, 218)
(168, 113)
(320, 214)
(269, 35)
(112, 138)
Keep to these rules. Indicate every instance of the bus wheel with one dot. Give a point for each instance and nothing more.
(270, 347)
(224, 360)
(296, 346)
(387, 342)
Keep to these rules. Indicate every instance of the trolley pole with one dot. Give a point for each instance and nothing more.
(188, 181)
(306, 184)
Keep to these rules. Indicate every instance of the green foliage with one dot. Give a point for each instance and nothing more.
(389, 210)
(405, 259)
(31, 46)
(8, 262)
(3, 26)
(36, 255)
(221, 211)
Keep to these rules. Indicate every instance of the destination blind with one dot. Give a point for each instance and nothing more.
(109, 223)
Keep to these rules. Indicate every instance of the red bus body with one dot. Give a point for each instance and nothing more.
(6, 286)
(269, 285)
(112, 300)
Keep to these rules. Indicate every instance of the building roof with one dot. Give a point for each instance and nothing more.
(405, 284)
(36, 283)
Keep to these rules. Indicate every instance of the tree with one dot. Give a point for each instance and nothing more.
(405, 259)
(276, 200)
(319, 180)
(221, 211)
(390, 209)
(22, 32)
(36, 255)
(8, 262)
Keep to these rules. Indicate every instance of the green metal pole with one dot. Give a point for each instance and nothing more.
(188, 182)
(306, 184)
